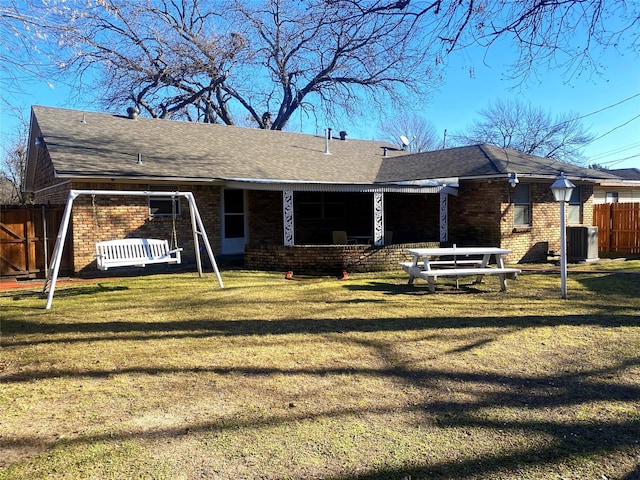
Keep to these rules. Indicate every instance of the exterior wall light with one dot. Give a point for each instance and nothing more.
(513, 179)
(562, 189)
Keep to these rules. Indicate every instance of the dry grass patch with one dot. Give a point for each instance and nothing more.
(169, 377)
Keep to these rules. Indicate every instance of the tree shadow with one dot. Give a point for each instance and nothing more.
(69, 292)
(567, 441)
(142, 330)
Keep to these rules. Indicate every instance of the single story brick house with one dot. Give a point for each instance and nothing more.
(277, 196)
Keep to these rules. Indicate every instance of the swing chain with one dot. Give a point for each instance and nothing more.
(95, 212)
(174, 235)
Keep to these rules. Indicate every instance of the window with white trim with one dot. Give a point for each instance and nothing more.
(521, 205)
(574, 209)
(611, 197)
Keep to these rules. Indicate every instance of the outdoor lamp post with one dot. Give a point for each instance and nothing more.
(562, 189)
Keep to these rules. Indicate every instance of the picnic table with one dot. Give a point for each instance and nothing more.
(431, 263)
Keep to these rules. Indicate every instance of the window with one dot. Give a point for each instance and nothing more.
(574, 210)
(320, 205)
(521, 206)
(233, 213)
(164, 206)
(611, 197)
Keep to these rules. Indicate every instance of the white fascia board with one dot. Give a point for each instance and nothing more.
(427, 182)
(259, 184)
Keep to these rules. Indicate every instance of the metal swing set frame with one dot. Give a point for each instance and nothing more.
(197, 228)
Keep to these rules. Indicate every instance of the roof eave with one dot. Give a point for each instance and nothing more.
(134, 178)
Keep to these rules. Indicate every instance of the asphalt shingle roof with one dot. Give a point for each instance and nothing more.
(89, 144)
(479, 161)
(627, 173)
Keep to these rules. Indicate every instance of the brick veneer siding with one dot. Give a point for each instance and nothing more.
(476, 213)
(264, 210)
(328, 259)
(483, 214)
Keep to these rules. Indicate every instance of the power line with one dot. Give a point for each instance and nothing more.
(619, 160)
(615, 151)
(614, 129)
(605, 108)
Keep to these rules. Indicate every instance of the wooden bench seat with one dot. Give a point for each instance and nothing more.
(135, 252)
(432, 275)
(452, 263)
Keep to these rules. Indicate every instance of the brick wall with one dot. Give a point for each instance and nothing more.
(475, 215)
(44, 174)
(328, 259)
(531, 244)
(265, 217)
(483, 214)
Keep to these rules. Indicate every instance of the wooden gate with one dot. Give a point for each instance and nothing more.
(27, 239)
(618, 227)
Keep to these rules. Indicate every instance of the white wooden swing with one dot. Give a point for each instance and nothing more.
(137, 252)
(126, 252)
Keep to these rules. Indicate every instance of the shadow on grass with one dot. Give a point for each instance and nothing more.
(627, 284)
(566, 441)
(140, 330)
(76, 291)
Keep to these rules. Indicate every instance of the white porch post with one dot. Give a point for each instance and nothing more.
(444, 217)
(378, 218)
(287, 217)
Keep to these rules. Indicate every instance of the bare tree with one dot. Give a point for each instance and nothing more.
(12, 165)
(227, 60)
(410, 132)
(14, 49)
(521, 126)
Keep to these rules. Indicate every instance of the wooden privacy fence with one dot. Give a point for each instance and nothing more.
(27, 238)
(618, 227)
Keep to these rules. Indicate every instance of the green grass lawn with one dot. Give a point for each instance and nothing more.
(170, 377)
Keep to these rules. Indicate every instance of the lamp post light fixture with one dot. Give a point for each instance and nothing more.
(562, 189)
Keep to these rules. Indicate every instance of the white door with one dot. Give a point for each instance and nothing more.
(234, 228)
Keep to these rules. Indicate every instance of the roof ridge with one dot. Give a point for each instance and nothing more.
(483, 148)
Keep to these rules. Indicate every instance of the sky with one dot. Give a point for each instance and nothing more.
(609, 102)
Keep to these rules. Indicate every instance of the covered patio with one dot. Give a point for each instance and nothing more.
(380, 222)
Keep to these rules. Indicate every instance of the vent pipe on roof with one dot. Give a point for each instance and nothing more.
(384, 149)
(327, 134)
(133, 112)
(139, 162)
(343, 135)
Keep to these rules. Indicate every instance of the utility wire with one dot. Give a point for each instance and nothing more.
(605, 108)
(613, 129)
(619, 160)
(615, 151)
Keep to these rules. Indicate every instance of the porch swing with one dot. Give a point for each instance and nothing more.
(166, 255)
(137, 252)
